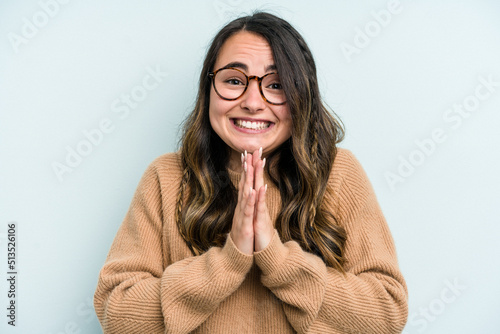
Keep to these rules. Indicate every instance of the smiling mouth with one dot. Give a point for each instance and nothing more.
(251, 125)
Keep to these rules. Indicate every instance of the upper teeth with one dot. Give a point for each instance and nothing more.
(252, 125)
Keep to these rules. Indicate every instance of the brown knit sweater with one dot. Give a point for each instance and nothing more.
(151, 283)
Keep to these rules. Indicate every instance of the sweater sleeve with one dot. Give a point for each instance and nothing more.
(138, 293)
(372, 296)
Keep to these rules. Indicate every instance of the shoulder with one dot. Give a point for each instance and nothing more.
(165, 170)
(347, 168)
(349, 188)
(167, 162)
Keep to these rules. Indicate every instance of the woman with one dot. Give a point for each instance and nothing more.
(258, 224)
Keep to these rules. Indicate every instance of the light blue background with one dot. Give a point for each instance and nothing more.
(64, 79)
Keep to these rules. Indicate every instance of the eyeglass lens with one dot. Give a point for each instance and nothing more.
(231, 84)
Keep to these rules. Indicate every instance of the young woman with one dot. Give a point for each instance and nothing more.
(259, 224)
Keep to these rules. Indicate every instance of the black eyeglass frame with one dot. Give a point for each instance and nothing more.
(259, 80)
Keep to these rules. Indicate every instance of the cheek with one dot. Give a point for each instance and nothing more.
(216, 105)
(214, 110)
(219, 108)
(286, 118)
(217, 113)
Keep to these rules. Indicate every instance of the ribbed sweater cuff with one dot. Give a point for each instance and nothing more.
(271, 258)
(237, 261)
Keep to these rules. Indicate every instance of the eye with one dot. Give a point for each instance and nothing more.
(272, 82)
(234, 81)
(275, 85)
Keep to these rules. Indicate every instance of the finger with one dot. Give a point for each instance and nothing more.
(242, 227)
(244, 183)
(243, 232)
(249, 207)
(256, 157)
(247, 217)
(263, 227)
(261, 206)
(259, 172)
(242, 178)
(249, 173)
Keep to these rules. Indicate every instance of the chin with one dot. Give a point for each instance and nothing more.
(251, 147)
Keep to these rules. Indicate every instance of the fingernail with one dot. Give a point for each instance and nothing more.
(265, 189)
(263, 163)
(260, 153)
(245, 166)
(242, 158)
(250, 192)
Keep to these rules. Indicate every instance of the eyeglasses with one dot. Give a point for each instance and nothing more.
(231, 83)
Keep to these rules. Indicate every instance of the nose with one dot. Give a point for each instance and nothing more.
(252, 99)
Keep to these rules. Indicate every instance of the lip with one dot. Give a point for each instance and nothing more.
(250, 119)
(251, 131)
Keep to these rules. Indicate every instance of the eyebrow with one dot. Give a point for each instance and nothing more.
(244, 67)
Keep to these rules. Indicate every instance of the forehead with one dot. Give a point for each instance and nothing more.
(246, 48)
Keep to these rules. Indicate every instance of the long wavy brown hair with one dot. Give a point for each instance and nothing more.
(300, 166)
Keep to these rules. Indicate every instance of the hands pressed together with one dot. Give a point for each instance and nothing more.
(252, 227)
